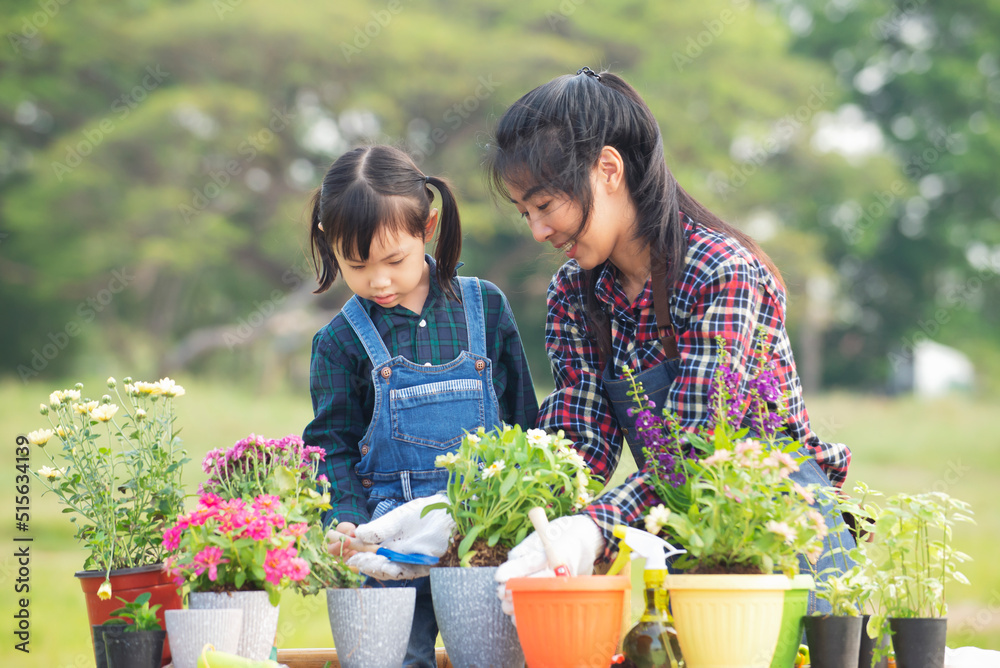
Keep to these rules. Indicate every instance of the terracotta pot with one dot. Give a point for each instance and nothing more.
(129, 583)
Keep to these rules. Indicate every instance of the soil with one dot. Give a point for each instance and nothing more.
(719, 569)
(485, 555)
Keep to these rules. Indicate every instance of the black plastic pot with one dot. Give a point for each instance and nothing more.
(919, 643)
(868, 648)
(834, 642)
(135, 649)
(100, 649)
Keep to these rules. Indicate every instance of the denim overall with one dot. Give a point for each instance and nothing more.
(656, 382)
(421, 411)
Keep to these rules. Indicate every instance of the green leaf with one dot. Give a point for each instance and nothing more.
(469, 539)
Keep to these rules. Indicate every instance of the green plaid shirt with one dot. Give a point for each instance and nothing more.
(341, 385)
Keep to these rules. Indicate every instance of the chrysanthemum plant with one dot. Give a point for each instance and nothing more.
(118, 469)
(496, 477)
(287, 470)
(728, 496)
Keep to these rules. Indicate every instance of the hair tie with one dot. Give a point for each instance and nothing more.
(427, 180)
(589, 72)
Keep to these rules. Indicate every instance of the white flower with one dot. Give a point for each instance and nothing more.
(104, 413)
(50, 473)
(657, 518)
(43, 409)
(140, 414)
(169, 388)
(472, 439)
(55, 399)
(493, 469)
(142, 387)
(104, 593)
(582, 499)
(83, 409)
(70, 395)
(40, 436)
(61, 432)
(537, 437)
(573, 457)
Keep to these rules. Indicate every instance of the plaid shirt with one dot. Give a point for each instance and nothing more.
(341, 386)
(724, 291)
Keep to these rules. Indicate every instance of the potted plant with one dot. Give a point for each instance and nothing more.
(730, 502)
(370, 626)
(140, 642)
(118, 470)
(494, 479)
(835, 639)
(256, 531)
(910, 562)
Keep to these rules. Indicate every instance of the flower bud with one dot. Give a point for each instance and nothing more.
(43, 409)
(127, 380)
(78, 386)
(111, 382)
(140, 415)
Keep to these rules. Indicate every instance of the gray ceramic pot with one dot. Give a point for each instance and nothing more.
(191, 630)
(371, 627)
(260, 618)
(475, 631)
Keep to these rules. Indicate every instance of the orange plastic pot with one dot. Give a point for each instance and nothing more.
(570, 622)
(129, 583)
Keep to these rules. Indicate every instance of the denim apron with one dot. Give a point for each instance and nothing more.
(656, 382)
(421, 412)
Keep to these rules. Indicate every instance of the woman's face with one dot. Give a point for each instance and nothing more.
(555, 218)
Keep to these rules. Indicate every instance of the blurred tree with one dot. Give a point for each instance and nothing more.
(928, 74)
(176, 143)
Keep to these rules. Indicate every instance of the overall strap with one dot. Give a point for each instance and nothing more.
(661, 308)
(475, 319)
(365, 329)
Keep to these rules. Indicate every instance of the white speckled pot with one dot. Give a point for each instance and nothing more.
(475, 631)
(260, 618)
(371, 627)
(191, 630)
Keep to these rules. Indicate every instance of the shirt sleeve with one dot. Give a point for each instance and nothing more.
(577, 405)
(337, 426)
(518, 403)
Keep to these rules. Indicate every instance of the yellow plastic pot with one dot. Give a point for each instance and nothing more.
(727, 621)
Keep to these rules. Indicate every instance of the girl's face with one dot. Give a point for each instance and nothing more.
(395, 273)
(555, 219)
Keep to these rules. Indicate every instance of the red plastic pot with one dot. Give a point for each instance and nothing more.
(129, 583)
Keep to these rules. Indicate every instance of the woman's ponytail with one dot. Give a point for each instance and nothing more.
(449, 243)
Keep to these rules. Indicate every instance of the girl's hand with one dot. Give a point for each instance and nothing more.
(336, 540)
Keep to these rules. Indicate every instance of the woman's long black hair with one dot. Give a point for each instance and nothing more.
(552, 137)
(376, 189)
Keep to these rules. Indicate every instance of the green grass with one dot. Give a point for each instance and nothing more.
(898, 445)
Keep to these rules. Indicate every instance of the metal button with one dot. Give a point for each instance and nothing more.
(480, 365)
(386, 372)
(364, 449)
(366, 483)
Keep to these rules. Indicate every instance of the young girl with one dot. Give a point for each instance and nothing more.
(652, 279)
(416, 357)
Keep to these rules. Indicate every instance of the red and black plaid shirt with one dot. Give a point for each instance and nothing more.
(724, 291)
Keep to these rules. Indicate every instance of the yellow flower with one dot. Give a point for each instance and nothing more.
(493, 469)
(142, 387)
(104, 412)
(169, 388)
(104, 593)
(61, 432)
(472, 439)
(40, 436)
(447, 460)
(50, 473)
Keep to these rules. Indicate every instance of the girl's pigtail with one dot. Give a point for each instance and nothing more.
(322, 255)
(449, 243)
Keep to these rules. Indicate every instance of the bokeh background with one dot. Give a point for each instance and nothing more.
(157, 156)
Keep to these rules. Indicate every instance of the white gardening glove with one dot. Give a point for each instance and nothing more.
(576, 538)
(404, 530)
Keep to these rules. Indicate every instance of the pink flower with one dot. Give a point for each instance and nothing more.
(210, 500)
(172, 537)
(819, 524)
(209, 559)
(172, 571)
(783, 530)
(720, 455)
(804, 493)
(233, 520)
(297, 529)
(258, 529)
(298, 569)
(276, 563)
(266, 502)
